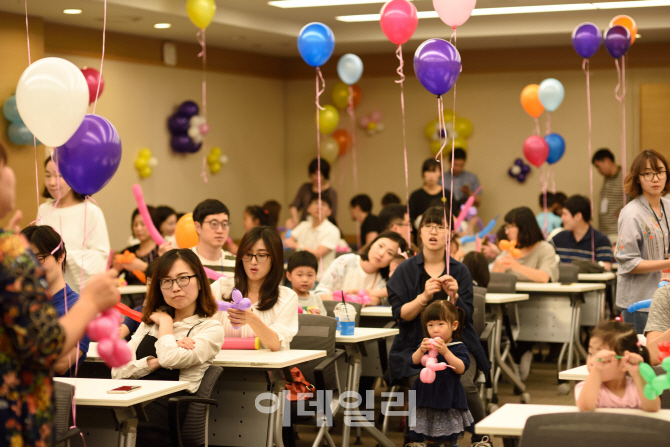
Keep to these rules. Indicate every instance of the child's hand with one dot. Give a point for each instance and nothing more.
(603, 358)
(441, 346)
(426, 345)
(631, 362)
(315, 311)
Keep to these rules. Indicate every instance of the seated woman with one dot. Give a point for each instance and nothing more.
(259, 271)
(538, 261)
(369, 270)
(177, 339)
(167, 223)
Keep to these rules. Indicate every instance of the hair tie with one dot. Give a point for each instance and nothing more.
(266, 211)
(402, 253)
(618, 319)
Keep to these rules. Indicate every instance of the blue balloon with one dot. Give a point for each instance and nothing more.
(316, 43)
(10, 110)
(18, 133)
(556, 145)
(639, 305)
(551, 93)
(437, 64)
(350, 68)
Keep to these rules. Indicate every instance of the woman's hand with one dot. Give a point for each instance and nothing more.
(631, 362)
(490, 251)
(239, 318)
(186, 343)
(153, 363)
(101, 291)
(433, 286)
(511, 262)
(450, 286)
(164, 248)
(160, 317)
(136, 264)
(504, 263)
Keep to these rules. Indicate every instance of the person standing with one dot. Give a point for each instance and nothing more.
(611, 193)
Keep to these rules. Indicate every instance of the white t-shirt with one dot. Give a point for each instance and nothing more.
(69, 223)
(281, 318)
(346, 273)
(225, 264)
(326, 234)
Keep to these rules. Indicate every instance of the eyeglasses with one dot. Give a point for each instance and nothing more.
(260, 258)
(214, 224)
(403, 224)
(437, 228)
(182, 281)
(649, 176)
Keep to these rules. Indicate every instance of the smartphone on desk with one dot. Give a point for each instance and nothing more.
(124, 389)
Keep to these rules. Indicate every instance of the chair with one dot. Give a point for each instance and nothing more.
(62, 415)
(665, 397)
(501, 283)
(585, 429)
(317, 332)
(330, 306)
(193, 432)
(567, 273)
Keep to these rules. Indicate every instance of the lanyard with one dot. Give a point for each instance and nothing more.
(665, 217)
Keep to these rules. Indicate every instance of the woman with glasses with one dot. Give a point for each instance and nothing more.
(259, 271)
(177, 339)
(642, 249)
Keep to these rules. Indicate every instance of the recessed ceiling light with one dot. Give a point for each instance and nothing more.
(162, 25)
(72, 11)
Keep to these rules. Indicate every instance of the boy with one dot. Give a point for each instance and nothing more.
(361, 212)
(317, 235)
(211, 219)
(301, 272)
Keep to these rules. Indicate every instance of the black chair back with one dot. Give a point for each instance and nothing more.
(501, 283)
(315, 332)
(568, 274)
(193, 428)
(479, 314)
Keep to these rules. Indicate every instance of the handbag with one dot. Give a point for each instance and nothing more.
(300, 389)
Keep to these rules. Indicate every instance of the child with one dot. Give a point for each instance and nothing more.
(441, 407)
(614, 379)
(360, 208)
(301, 272)
(549, 218)
(478, 266)
(212, 223)
(395, 262)
(128, 325)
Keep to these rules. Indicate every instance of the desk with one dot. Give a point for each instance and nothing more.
(377, 311)
(95, 423)
(579, 373)
(607, 278)
(127, 290)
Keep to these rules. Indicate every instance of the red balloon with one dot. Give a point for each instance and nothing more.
(398, 20)
(92, 77)
(343, 140)
(536, 150)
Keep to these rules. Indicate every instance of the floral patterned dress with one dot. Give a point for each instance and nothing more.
(30, 341)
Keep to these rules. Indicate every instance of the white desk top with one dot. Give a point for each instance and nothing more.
(502, 298)
(93, 392)
(365, 334)
(554, 287)
(510, 419)
(126, 290)
(264, 358)
(377, 311)
(578, 373)
(605, 276)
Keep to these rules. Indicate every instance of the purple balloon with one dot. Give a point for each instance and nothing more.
(518, 162)
(184, 144)
(586, 39)
(178, 124)
(521, 177)
(437, 64)
(617, 41)
(525, 169)
(90, 158)
(188, 109)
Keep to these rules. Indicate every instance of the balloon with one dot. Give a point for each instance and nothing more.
(215, 167)
(459, 142)
(437, 64)
(201, 12)
(364, 121)
(617, 41)
(146, 217)
(463, 127)
(316, 43)
(145, 172)
(448, 115)
(454, 12)
(551, 93)
(556, 145)
(185, 232)
(350, 68)
(435, 147)
(329, 117)
(536, 150)
(586, 39)
(89, 159)
(184, 144)
(343, 140)
(178, 124)
(628, 23)
(530, 100)
(10, 110)
(92, 77)
(52, 98)
(431, 130)
(18, 133)
(188, 109)
(398, 20)
(340, 95)
(329, 149)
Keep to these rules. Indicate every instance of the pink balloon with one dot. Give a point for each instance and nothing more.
(364, 121)
(398, 21)
(377, 116)
(536, 150)
(204, 129)
(144, 212)
(427, 375)
(454, 12)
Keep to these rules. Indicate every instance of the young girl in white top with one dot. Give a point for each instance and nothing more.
(68, 220)
(259, 271)
(614, 379)
(177, 339)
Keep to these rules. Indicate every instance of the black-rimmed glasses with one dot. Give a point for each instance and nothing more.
(181, 281)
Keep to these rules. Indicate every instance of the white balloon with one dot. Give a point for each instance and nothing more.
(52, 98)
(153, 162)
(223, 159)
(516, 170)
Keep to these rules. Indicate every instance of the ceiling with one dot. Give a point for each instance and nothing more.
(253, 25)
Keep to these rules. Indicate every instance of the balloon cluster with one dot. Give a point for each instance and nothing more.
(519, 170)
(187, 128)
(361, 297)
(93, 77)
(215, 159)
(458, 132)
(17, 131)
(655, 384)
(535, 99)
(372, 123)
(619, 36)
(429, 361)
(145, 162)
(105, 330)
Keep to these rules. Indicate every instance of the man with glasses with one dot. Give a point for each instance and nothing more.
(212, 223)
(394, 218)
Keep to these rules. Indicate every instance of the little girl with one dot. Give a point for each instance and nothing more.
(441, 407)
(614, 379)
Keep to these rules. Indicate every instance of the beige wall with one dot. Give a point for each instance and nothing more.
(491, 102)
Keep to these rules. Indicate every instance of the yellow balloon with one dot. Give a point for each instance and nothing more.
(216, 150)
(431, 130)
(145, 172)
(463, 127)
(141, 163)
(330, 149)
(448, 115)
(145, 153)
(435, 147)
(329, 117)
(215, 167)
(212, 158)
(372, 126)
(340, 95)
(201, 12)
(459, 142)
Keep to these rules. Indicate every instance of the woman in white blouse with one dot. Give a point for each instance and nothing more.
(259, 271)
(177, 339)
(369, 271)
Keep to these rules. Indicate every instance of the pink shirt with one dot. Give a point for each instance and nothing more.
(607, 399)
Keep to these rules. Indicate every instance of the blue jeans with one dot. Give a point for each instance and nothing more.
(636, 319)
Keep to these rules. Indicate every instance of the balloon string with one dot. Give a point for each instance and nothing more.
(543, 189)
(102, 58)
(27, 32)
(619, 94)
(587, 71)
(451, 188)
(537, 126)
(352, 121)
(442, 125)
(95, 223)
(552, 177)
(200, 36)
(319, 76)
(203, 172)
(547, 129)
(401, 81)
(37, 183)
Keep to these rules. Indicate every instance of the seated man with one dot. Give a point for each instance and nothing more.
(579, 240)
(395, 218)
(658, 324)
(212, 223)
(361, 212)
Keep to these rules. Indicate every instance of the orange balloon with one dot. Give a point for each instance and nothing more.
(125, 258)
(357, 94)
(510, 246)
(185, 232)
(343, 140)
(628, 23)
(530, 100)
